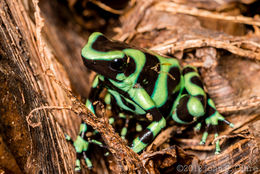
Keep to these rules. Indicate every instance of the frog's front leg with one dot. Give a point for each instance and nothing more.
(95, 91)
(141, 97)
(81, 143)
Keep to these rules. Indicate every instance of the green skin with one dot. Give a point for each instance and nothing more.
(143, 83)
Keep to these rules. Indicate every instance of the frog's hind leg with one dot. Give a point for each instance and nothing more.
(191, 103)
(81, 144)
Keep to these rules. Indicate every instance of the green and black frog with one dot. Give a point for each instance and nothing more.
(142, 82)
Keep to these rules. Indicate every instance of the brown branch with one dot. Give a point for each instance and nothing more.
(107, 8)
(243, 105)
(21, 56)
(178, 8)
(207, 42)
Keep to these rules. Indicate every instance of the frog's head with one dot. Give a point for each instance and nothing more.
(104, 56)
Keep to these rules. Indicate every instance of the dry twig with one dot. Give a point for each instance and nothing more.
(207, 42)
(107, 8)
(178, 8)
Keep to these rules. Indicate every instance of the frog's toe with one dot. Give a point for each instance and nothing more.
(77, 166)
(125, 128)
(228, 123)
(68, 138)
(204, 136)
(123, 132)
(138, 127)
(216, 118)
(217, 145)
(87, 161)
(197, 127)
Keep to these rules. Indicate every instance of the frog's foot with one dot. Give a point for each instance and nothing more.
(81, 147)
(213, 121)
(86, 159)
(205, 135)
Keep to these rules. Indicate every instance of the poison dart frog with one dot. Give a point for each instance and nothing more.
(143, 82)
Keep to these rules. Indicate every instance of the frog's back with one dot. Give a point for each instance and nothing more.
(165, 81)
(158, 75)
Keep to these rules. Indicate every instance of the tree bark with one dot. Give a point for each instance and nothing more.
(25, 86)
(32, 84)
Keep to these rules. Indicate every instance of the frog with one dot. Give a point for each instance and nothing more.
(144, 83)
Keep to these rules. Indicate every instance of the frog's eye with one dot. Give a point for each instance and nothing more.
(118, 65)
